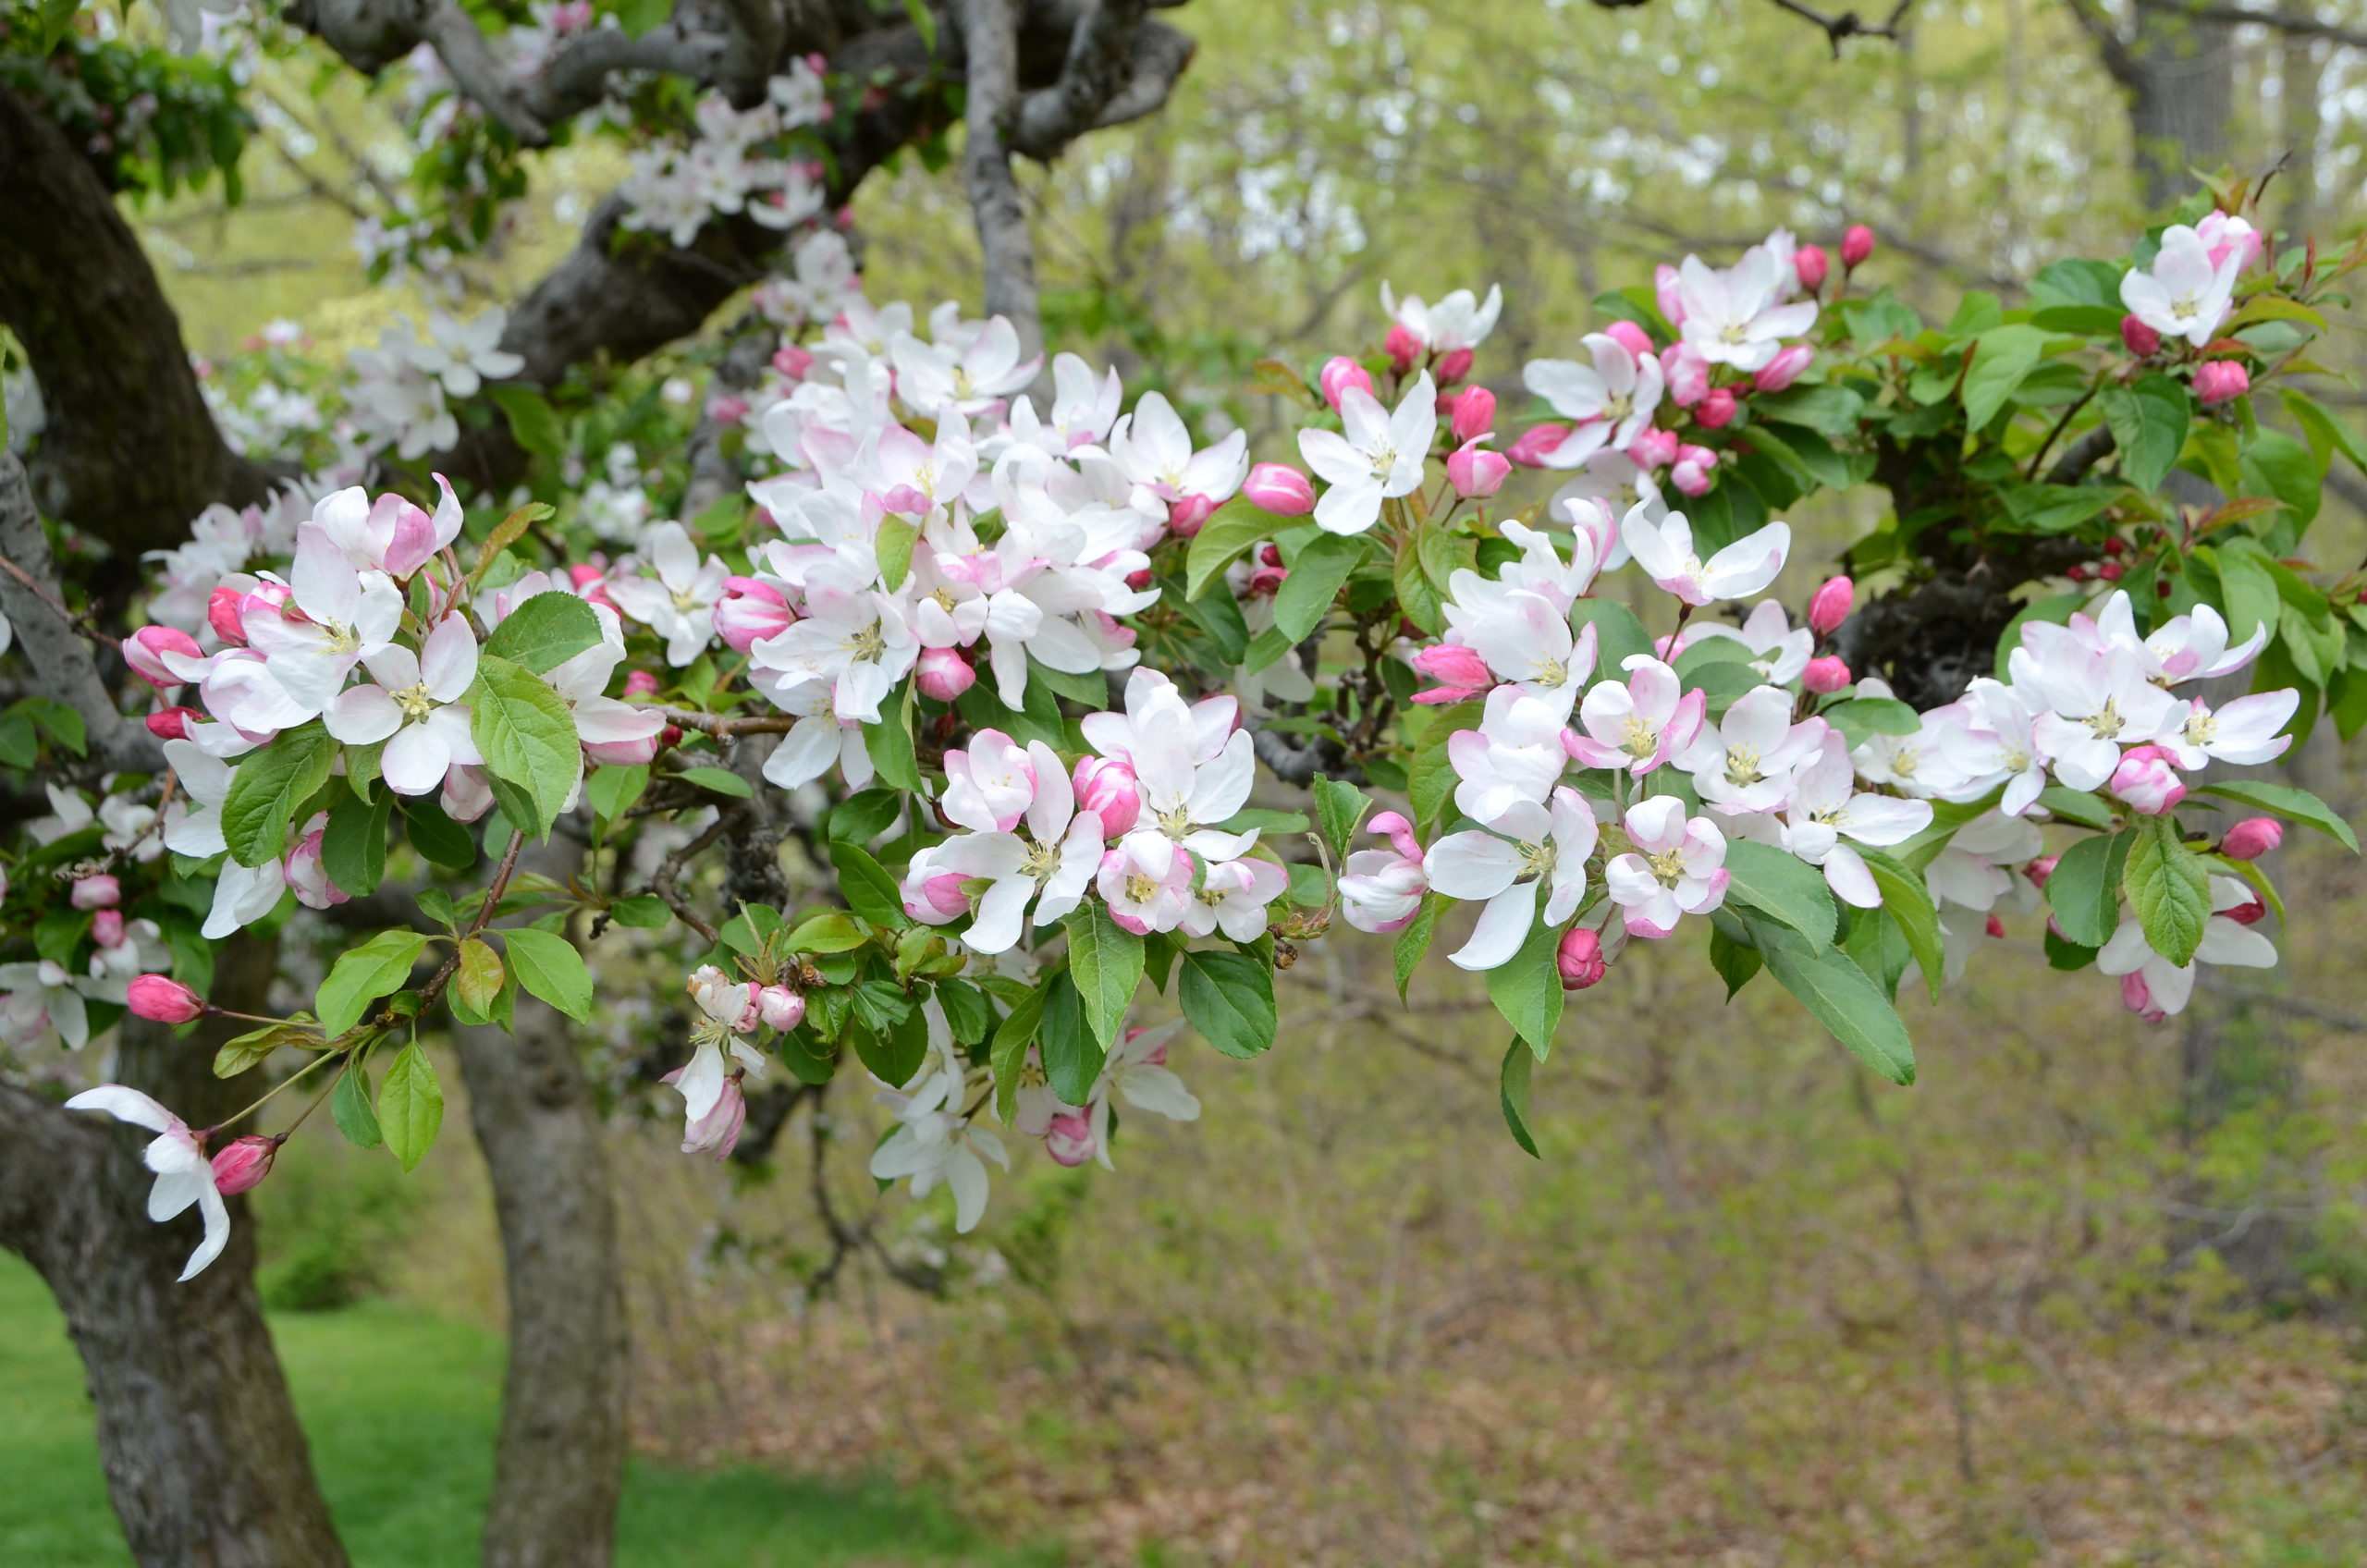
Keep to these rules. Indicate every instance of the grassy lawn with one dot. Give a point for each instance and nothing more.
(401, 1407)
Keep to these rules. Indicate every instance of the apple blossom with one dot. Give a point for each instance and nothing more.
(2220, 381)
(1380, 457)
(1779, 650)
(1675, 867)
(2185, 294)
(414, 708)
(2251, 837)
(1459, 321)
(1827, 807)
(1146, 882)
(678, 602)
(184, 1176)
(1734, 317)
(163, 1000)
(1831, 606)
(1579, 959)
(1529, 848)
(1857, 245)
(1337, 374)
(1824, 675)
(1608, 401)
(1278, 489)
(1744, 763)
(1638, 724)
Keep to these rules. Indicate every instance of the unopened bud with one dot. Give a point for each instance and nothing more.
(1535, 444)
(1403, 348)
(1666, 295)
(1106, 788)
(1825, 675)
(244, 1164)
(1337, 374)
(1691, 473)
(1997, 926)
(1653, 448)
(792, 361)
(749, 612)
(1455, 366)
(2146, 780)
(2138, 998)
(640, 686)
(145, 651)
(1453, 664)
(1809, 265)
(1630, 336)
(1832, 606)
(2039, 870)
(2251, 911)
(780, 1007)
(1784, 369)
(1477, 472)
(2111, 572)
(943, 674)
(2220, 381)
(1185, 517)
(1857, 245)
(1580, 959)
(1069, 1138)
(1716, 410)
(1280, 489)
(2138, 339)
(2253, 838)
(96, 892)
(165, 1000)
(106, 928)
(1475, 414)
(172, 724)
(222, 612)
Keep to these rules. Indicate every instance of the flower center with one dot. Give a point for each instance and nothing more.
(684, 603)
(1668, 865)
(867, 643)
(1175, 821)
(1140, 890)
(1732, 333)
(962, 385)
(2201, 727)
(1831, 817)
(1639, 736)
(1384, 458)
(1549, 673)
(1906, 760)
(1741, 767)
(343, 639)
(2186, 306)
(1040, 862)
(1617, 406)
(415, 701)
(2105, 722)
(1537, 860)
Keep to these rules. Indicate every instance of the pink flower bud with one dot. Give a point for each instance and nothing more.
(780, 1007)
(1825, 675)
(2253, 838)
(2146, 780)
(1266, 582)
(1107, 787)
(792, 361)
(933, 900)
(145, 649)
(1784, 369)
(1831, 605)
(1997, 926)
(1475, 414)
(1691, 472)
(1474, 472)
(2220, 380)
(1138, 580)
(2251, 911)
(106, 928)
(1665, 294)
(172, 724)
(1580, 959)
(1687, 373)
(1456, 666)
(2138, 998)
(1535, 443)
(1454, 367)
(2039, 870)
(96, 892)
(749, 612)
(1716, 410)
(244, 1164)
(1393, 827)
(1185, 517)
(165, 1000)
(640, 686)
(2138, 339)
(1403, 348)
(1653, 447)
(1280, 489)
(222, 613)
(728, 410)
(944, 674)
(1630, 336)
(1809, 265)
(1069, 1138)
(1337, 374)
(1857, 245)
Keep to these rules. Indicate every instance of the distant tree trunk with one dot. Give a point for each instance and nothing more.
(2179, 73)
(204, 1460)
(558, 1471)
(2302, 79)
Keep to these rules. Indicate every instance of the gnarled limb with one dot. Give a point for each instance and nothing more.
(61, 661)
(130, 453)
(990, 38)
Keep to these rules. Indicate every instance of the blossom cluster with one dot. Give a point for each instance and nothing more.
(735, 164)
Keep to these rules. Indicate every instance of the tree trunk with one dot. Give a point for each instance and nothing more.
(2181, 82)
(204, 1460)
(559, 1469)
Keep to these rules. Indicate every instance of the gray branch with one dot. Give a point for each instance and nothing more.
(63, 665)
(2294, 24)
(1118, 68)
(990, 41)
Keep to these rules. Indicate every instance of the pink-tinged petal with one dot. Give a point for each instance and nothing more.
(453, 723)
(449, 662)
(449, 519)
(1657, 824)
(362, 715)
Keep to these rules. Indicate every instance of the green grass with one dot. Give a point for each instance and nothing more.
(401, 1408)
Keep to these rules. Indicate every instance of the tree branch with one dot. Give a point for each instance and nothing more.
(991, 41)
(62, 663)
(2297, 24)
(1118, 68)
(1848, 24)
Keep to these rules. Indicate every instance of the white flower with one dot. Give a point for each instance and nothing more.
(1459, 321)
(2184, 295)
(2244, 731)
(1530, 848)
(2162, 987)
(678, 603)
(1827, 806)
(1779, 651)
(1524, 640)
(465, 357)
(415, 708)
(1664, 551)
(184, 1175)
(1050, 866)
(1232, 898)
(1610, 401)
(1379, 457)
(1153, 449)
(969, 378)
(1513, 758)
(1745, 763)
(2094, 704)
(1677, 867)
(855, 639)
(1192, 768)
(347, 616)
(45, 987)
(1734, 317)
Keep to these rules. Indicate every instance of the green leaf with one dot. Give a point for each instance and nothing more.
(615, 789)
(2167, 889)
(1413, 942)
(717, 781)
(2295, 805)
(1105, 965)
(890, 741)
(362, 974)
(528, 737)
(869, 891)
(1617, 634)
(1319, 568)
(548, 966)
(1781, 885)
(1862, 717)
(1219, 617)
(829, 932)
(410, 1105)
(897, 536)
(256, 1047)
(1339, 807)
(268, 787)
(2149, 423)
(444, 841)
(1735, 962)
(1009, 1053)
(1843, 997)
(1072, 1057)
(350, 1104)
(2076, 805)
(2084, 888)
(1431, 780)
(859, 819)
(2328, 434)
(2278, 465)
(1229, 997)
(894, 1049)
(545, 632)
(479, 977)
(967, 1011)
(1227, 531)
(2248, 591)
(1511, 1093)
(2001, 357)
(642, 911)
(1907, 901)
(532, 419)
(353, 849)
(1527, 989)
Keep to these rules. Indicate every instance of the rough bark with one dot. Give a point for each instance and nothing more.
(2176, 62)
(204, 1460)
(52, 644)
(559, 1470)
(130, 453)
(990, 36)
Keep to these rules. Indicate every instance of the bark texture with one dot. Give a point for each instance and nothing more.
(130, 453)
(204, 1460)
(559, 1467)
